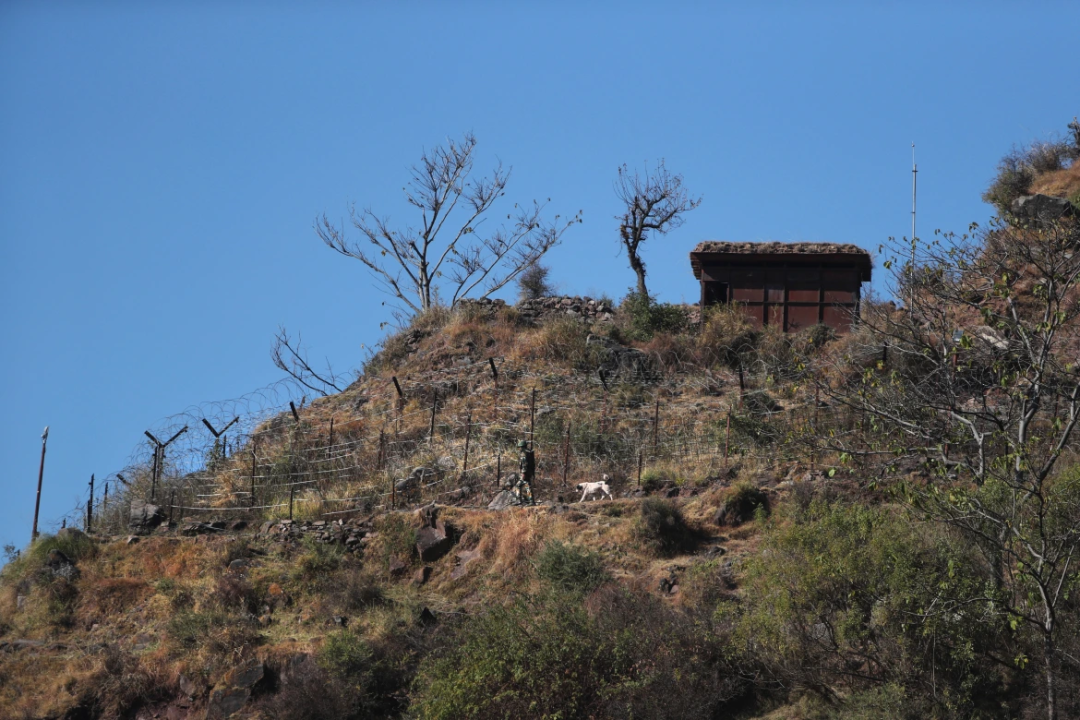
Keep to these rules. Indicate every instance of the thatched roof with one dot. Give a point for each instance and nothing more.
(778, 248)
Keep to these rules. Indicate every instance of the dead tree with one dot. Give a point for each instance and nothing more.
(448, 254)
(290, 357)
(655, 203)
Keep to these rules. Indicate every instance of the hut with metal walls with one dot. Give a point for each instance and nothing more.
(790, 285)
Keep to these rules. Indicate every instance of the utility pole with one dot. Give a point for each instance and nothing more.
(41, 474)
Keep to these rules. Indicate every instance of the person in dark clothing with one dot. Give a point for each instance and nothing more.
(527, 472)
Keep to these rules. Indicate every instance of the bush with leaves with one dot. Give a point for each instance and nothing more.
(643, 317)
(850, 598)
(556, 655)
(570, 568)
(662, 525)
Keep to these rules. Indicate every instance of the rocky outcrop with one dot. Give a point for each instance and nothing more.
(585, 308)
(1042, 208)
(144, 517)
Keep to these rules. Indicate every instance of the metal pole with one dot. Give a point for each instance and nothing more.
(41, 474)
(911, 268)
(172, 503)
(153, 473)
(90, 506)
(498, 469)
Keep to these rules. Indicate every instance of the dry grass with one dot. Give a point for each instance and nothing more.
(1060, 183)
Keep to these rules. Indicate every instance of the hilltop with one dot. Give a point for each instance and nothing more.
(880, 524)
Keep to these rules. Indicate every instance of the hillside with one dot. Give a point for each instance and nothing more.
(803, 526)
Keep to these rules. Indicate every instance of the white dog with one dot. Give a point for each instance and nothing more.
(594, 489)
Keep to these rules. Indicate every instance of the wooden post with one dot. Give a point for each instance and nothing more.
(566, 454)
(434, 406)
(393, 494)
(498, 469)
(656, 427)
(640, 462)
(90, 506)
(251, 500)
(153, 473)
(494, 373)
(172, 502)
(727, 435)
(382, 450)
(41, 475)
(532, 415)
(468, 436)
(105, 501)
(292, 493)
(330, 442)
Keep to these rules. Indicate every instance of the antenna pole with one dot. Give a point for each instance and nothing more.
(911, 267)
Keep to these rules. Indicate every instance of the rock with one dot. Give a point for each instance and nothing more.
(190, 688)
(225, 701)
(239, 565)
(144, 517)
(61, 565)
(464, 558)
(1042, 208)
(397, 567)
(238, 525)
(341, 621)
(427, 617)
(20, 602)
(502, 500)
(432, 543)
(131, 540)
(422, 575)
(246, 675)
(266, 527)
(70, 532)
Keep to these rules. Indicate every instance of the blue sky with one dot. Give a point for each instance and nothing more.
(162, 165)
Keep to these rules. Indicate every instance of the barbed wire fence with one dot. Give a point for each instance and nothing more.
(271, 455)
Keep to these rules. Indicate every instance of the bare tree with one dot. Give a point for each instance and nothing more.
(446, 256)
(978, 381)
(290, 357)
(655, 203)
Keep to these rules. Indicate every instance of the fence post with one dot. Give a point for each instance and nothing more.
(566, 454)
(532, 415)
(330, 442)
(90, 506)
(105, 502)
(498, 469)
(640, 462)
(292, 493)
(41, 475)
(434, 407)
(251, 500)
(382, 450)
(468, 436)
(656, 427)
(172, 502)
(393, 494)
(727, 435)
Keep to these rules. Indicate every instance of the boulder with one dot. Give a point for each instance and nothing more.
(61, 565)
(502, 500)
(144, 516)
(1042, 208)
(226, 701)
(432, 543)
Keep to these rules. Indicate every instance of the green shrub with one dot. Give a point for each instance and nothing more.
(570, 568)
(744, 504)
(616, 655)
(644, 317)
(346, 655)
(662, 525)
(843, 584)
(189, 628)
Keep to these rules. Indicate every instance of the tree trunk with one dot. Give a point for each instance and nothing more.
(1051, 689)
(638, 267)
